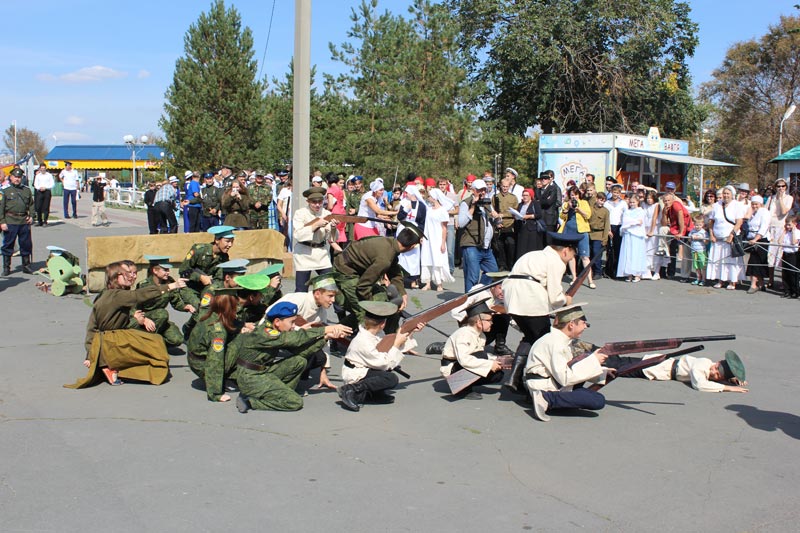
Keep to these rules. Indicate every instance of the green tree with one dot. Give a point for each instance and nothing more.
(757, 81)
(27, 141)
(592, 65)
(214, 107)
(409, 90)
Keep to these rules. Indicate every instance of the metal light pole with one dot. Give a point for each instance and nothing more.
(164, 164)
(15, 141)
(702, 156)
(301, 130)
(132, 143)
(786, 115)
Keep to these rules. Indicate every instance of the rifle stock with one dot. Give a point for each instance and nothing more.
(575, 285)
(429, 314)
(349, 219)
(461, 379)
(624, 347)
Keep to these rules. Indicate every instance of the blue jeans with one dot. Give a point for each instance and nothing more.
(597, 249)
(70, 197)
(475, 260)
(451, 247)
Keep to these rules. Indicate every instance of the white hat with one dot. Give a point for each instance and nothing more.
(187, 174)
(757, 199)
(479, 184)
(516, 174)
(173, 179)
(316, 178)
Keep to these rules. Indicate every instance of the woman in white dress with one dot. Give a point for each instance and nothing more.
(652, 212)
(412, 209)
(369, 207)
(632, 256)
(433, 254)
(726, 217)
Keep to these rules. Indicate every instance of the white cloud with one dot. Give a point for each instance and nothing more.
(73, 120)
(143, 74)
(85, 74)
(70, 136)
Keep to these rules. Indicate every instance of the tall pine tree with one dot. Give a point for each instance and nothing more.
(214, 107)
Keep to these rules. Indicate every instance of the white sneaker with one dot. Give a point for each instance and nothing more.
(656, 276)
(540, 406)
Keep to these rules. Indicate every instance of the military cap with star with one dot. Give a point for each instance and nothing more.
(413, 228)
(569, 313)
(158, 260)
(314, 193)
(323, 282)
(378, 310)
(479, 308)
(733, 367)
(234, 266)
(570, 239)
(222, 232)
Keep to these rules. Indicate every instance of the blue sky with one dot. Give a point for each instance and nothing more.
(89, 72)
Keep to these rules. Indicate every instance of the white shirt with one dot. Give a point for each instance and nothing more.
(307, 308)
(615, 210)
(759, 223)
(548, 359)
(461, 346)
(43, 180)
(70, 179)
(690, 369)
(536, 298)
(725, 217)
(363, 355)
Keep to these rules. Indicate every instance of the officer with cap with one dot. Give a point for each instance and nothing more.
(260, 199)
(199, 266)
(551, 381)
(272, 359)
(704, 375)
(367, 373)
(210, 199)
(311, 238)
(360, 269)
(533, 290)
(16, 203)
(352, 200)
(466, 349)
(156, 316)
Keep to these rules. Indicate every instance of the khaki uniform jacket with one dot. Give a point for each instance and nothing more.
(530, 298)
(370, 259)
(547, 369)
(461, 346)
(363, 354)
(308, 257)
(15, 204)
(112, 308)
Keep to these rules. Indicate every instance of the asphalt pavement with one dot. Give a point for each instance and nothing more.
(659, 457)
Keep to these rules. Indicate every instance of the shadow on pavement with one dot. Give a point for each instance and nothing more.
(768, 420)
(627, 405)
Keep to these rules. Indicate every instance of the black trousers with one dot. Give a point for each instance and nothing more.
(674, 246)
(166, 213)
(153, 219)
(532, 327)
(194, 214)
(315, 360)
(505, 249)
(379, 380)
(612, 252)
(788, 274)
(41, 203)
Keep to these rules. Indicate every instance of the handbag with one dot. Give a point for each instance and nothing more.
(737, 244)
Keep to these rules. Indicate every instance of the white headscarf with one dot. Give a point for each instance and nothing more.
(439, 196)
(413, 191)
(376, 185)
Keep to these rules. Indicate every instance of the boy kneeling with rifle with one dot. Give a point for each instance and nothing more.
(367, 371)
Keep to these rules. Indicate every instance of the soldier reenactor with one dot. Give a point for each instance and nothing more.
(260, 199)
(361, 268)
(155, 310)
(16, 203)
(228, 271)
(211, 198)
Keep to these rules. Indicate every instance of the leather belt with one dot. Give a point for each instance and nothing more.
(250, 366)
(445, 361)
(673, 372)
(348, 364)
(312, 244)
(17, 214)
(523, 276)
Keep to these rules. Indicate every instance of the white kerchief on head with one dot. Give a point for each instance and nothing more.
(442, 199)
(376, 185)
(412, 191)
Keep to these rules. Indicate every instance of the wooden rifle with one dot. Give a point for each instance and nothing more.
(576, 284)
(411, 323)
(458, 381)
(624, 347)
(645, 363)
(349, 219)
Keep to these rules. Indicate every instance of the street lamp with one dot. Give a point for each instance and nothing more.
(164, 164)
(780, 135)
(133, 143)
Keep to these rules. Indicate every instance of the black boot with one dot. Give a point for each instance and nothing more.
(352, 395)
(26, 264)
(381, 397)
(6, 265)
(514, 377)
(242, 403)
(435, 348)
(500, 347)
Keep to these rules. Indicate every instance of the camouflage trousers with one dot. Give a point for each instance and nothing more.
(259, 220)
(160, 317)
(347, 298)
(274, 389)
